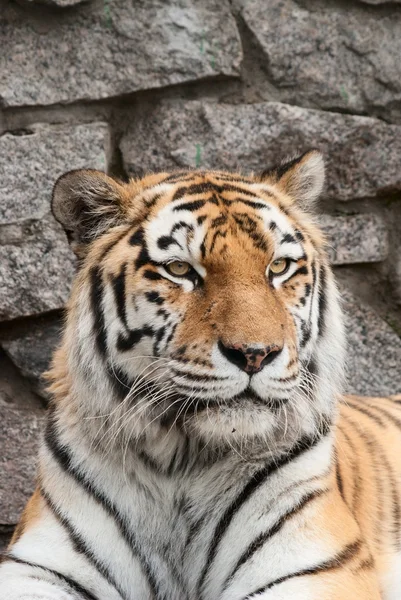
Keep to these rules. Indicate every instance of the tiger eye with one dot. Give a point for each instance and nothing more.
(279, 266)
(178, 268)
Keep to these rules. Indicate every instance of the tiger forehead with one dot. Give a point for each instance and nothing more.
(206, 188)
(207, 211)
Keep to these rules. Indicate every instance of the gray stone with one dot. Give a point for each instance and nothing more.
(355, 238)
(36, 264)
(31, 347)
(330, 56)
(19, 436)
(31, 161)
(35, 274)
(116, 48)
(374, 352)
(362, 153)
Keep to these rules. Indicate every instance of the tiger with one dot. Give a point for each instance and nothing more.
(198, 442)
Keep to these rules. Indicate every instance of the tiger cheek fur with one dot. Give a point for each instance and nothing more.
(196, 446)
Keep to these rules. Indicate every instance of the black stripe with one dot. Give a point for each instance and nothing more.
(200, 378)
(165, 241)
(395, 496)
(322, 300)
(260, 541)
(230, 178)
(121, 383)
(377, 460)
(71, 583)
(138, 237)
(357, 480)
(99, 327)
(259, 478)
(178, 176)
(339, 478)
(334, 563)
(143, 257)
(63, 457)
(193, 190)
(282, 169)
(134, 336)
(182, 225)
(154, 297)
(251, 203)
(152, 275)
(366, 564)
(301, 271)
(365, 411)
(288, 239)
(118, 284)
(195, 205)
(149, 462)
(307, 328)
(158, 338)
(216, 234)
(387, 415)
(238, 190)
(194, 528)
(80, 546)
(150, 202)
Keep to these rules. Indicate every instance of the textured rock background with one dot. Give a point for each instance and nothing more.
(134, 85)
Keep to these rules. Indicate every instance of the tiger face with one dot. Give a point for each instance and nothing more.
(204, 303)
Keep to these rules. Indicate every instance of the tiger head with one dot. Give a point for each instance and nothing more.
(204, 304)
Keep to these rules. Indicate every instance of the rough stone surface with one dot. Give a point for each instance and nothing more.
(19, 436)
(36, 264)
(31, 350)
(120, 47)
(362, 153)
(374, 354)
(31, 161)
(355, 238)
(35, 273)
(336, 57)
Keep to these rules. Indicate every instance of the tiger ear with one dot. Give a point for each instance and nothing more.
(301, 178)
(87, 202)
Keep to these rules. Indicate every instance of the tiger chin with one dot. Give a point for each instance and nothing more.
(198, 446)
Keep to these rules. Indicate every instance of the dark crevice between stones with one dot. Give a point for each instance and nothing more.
(388, 8)
(83, 111)
(257, 85)
(15, 390)
(16, 326)
(6, 532)
(19, 132)
(26, 349)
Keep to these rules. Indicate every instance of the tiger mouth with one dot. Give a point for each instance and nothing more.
(182, 404)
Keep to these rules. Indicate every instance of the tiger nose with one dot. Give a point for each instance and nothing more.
(250, 359)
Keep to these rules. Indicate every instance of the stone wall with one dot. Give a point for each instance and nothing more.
(133, 85)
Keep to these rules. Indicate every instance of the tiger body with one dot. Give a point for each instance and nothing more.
(197, 447)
